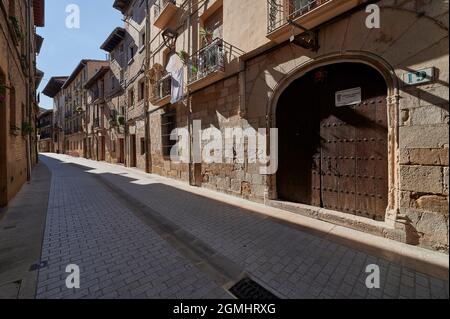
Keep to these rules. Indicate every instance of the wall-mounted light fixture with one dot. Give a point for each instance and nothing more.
(308, 39)
(170, 38)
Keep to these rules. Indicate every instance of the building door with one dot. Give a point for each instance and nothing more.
(121, 151)
(102, 148)
(133, 162)
(333, 140)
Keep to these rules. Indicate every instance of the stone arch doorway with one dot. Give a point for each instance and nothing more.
(334, 154)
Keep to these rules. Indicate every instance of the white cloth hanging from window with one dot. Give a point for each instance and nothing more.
(175, 68)
(177, 86)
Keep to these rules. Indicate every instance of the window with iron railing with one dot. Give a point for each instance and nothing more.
(162, 88)
(207, 60)
(280, 11)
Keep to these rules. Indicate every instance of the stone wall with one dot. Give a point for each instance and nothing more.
(161, 164)
(74, 144)
(13, 145)
(418, 115)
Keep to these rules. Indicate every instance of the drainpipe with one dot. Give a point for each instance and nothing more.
(29, 91)
(148, 156)
(191, 169)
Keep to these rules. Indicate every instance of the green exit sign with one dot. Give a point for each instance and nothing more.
(423, 76)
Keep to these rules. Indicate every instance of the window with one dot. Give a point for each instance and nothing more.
(214, 26)
(121, 76)
(12, 108)
(142, 146)
(142, 40)
(141, 92)
(130, 53)
(131, 98)
(168, 124)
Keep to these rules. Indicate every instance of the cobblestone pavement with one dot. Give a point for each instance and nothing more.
(120, 256)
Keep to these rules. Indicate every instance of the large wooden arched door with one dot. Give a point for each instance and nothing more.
(333, 140)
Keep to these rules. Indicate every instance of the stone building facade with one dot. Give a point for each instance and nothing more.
(54, 90)
(378, 163)
(19, 78)
(75, 106)
(46, 132)
(133, 55)
(105, 124)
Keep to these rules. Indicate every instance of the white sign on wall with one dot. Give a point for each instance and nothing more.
(419, 77)
(348, 97)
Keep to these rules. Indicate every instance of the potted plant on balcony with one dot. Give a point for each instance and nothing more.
(121, 120)
(112, 122)
(206, 35)
(27, 128)
(192, 68)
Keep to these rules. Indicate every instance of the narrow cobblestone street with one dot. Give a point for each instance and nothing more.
(190, 246)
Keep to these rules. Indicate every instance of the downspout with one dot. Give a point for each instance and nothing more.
(191, 169)
(29, 82)
(148, 148)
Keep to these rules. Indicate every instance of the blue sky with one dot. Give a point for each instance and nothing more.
(63, 48)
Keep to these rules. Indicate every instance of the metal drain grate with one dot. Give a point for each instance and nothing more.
(251, 290)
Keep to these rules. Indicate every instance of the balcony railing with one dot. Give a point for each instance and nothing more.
(162, 88)
(207, 60)
(45, 136)
(44, 124)
(280, 11)
(163, 11)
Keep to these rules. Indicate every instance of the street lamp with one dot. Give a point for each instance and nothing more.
(170, 38)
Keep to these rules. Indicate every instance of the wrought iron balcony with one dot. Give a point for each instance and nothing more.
(163, 11)
(307, 13)
(162, 91)
(45, 136)
(206, 61)
(212, 63)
